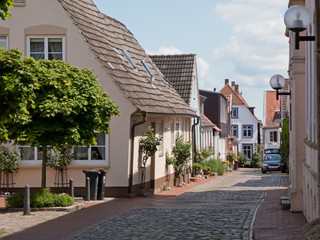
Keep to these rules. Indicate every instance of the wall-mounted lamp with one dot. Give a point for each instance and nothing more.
(277, 82)
(297, 19)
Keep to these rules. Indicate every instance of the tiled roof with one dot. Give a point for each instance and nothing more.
(205, 122)
(104, 35)
(272, 106)
(227, 90)
(179, 70)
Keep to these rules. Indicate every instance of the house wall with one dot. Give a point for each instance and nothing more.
(311, 186)
(47, 17)
(266, 138)
(245, 117)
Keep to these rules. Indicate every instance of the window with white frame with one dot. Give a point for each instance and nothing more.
(97, 152)
(4, 42)
(48, 48)
(247, 130)
(177, 129)
(247, 150)
(93, 152)
(274, 136)
(234, 112)
(160, 148)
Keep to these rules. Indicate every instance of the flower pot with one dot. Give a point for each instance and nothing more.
(197, 178)
(207, 173)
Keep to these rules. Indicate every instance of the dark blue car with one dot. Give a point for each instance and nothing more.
(272, 162)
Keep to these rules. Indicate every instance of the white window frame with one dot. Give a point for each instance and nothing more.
(4, 39)
(177, 128)
(74, 162)
(161, 135)
(172, 139)
(46, 53)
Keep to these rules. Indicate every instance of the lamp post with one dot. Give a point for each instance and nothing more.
(277, 82)
(297, 19)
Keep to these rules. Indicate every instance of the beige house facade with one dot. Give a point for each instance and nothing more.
(76, 32)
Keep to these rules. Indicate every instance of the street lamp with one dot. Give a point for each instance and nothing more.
(297, 19)
(277, 82)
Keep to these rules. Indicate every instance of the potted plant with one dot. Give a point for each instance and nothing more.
(197, 168)
(206, 170)
(148, 145)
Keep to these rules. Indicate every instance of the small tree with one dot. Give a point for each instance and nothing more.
(256, 158)
(8, 165)
(62, 104)
(148, 145)
(182, 153)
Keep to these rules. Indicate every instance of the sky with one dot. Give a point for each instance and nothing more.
(240, 40)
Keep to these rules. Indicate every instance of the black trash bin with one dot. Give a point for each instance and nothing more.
(93, 176)
(101, 184)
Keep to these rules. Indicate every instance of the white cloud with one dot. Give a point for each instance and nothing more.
(163, 50)
(203, 67)
(257, 47)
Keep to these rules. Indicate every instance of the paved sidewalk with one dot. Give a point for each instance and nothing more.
(271, 222)
(274, 223)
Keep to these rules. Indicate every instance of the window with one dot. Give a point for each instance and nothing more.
(146, 67)
(234, 113)
(247, 150)
(234, 130)
(93, 152)
(18, 3)
(160, 148)
(177, 129)
(172, 134)
(46, 48)
(247, 130)
(97, 152)
(160, 75)
(128, 57)
(274, 136)
(4, 42)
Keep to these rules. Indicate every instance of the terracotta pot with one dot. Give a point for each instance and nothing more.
(197, 178)
(207, 172)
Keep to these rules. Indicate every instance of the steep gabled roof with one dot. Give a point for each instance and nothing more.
(272, 108)
(106, 37)
(205, 122)
(227, 90)
(179, 70)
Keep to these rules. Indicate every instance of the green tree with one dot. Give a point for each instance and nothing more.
(182, 153)
(4, 8)
(64, 105)
(284, 147)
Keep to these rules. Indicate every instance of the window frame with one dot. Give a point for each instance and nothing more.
(251, 149)
(236, 129)
(161, 136)
(5, 40)
(46, 50)
(74, 162)
(237, 113)
(244, 129)
(273, 137)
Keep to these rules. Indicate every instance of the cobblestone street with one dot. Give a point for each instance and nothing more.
(220, 209)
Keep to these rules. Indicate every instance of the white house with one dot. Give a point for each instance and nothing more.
(245, 126)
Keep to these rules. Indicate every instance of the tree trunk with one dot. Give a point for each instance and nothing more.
(44, 167)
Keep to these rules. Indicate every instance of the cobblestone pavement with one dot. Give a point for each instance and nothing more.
(221, 209)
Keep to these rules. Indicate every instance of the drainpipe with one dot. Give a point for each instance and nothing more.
(317, 9)
(133, 126)
(194, 138)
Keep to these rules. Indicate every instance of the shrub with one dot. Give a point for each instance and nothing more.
(221, 169)
(256, 158)
(242, 160)
(43, 198)
(15, 200)
(197, 167)
(216, 166)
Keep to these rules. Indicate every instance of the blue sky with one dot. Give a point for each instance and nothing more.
(241, 40)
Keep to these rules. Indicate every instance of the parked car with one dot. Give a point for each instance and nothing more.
(272, 162)
(272, 150)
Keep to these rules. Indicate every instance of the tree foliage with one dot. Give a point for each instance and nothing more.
(284, 147)
(50, 103)
(148, 144)
(4, 8)
(182, 153)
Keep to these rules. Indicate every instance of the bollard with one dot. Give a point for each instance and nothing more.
(87, 189)
(71, 188)
(26, 208)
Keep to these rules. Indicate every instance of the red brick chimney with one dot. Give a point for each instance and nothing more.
(237, 88)
(226, 81)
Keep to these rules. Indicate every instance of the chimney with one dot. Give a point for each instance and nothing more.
(226, 81)
(233, 83)
(237, 88)
(214, 89)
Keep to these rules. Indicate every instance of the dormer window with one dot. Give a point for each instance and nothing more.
(128, 57)
(146, 67)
